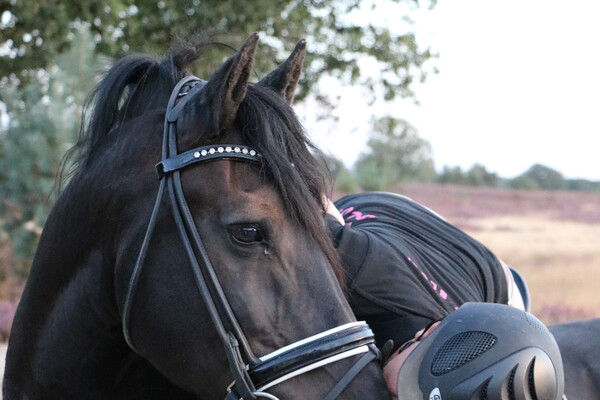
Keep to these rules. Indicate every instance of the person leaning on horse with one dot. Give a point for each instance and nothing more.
(449, 314)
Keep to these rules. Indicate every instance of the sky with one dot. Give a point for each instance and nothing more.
(518, 84)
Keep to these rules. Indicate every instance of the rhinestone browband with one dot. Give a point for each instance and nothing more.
(206, 153)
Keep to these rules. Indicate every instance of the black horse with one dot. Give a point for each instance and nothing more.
(579, 343)
(138, 295)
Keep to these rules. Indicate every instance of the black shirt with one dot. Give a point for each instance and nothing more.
(406, 267)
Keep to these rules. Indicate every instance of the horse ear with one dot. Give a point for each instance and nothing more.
(284, 78)
(226, 88)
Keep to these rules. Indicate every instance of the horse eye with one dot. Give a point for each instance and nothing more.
(246, 234)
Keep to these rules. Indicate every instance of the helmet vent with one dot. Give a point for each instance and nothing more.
(459, 350)
(483, 395)
(534, 322)
(511, 384)
(531, 381)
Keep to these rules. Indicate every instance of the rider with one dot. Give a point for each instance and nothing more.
(409, 274)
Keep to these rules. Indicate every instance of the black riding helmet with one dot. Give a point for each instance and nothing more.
(484, 351)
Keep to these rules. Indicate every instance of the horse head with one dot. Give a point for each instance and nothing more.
(220, 272)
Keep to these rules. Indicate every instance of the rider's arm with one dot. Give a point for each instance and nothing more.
(332, 210)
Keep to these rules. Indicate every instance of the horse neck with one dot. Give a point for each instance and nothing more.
(68, 324)
(67, 275)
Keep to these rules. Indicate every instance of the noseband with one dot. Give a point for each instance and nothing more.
(252, 374)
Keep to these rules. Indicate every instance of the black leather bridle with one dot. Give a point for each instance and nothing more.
(252, 374)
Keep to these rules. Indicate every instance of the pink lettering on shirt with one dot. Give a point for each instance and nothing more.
(359, 216)
(345, 211)
(349, 213)
(434, 285)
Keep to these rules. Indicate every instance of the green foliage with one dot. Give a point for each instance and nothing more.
(44, 121)
(335, 41)
(395, 154)
(535, 178)
(477, 175)
(343, 178)
(369, 175)
(524, 182)
(582, 185)
(451, 175)
(539, 177)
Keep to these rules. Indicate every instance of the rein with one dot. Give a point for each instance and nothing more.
(252, 374)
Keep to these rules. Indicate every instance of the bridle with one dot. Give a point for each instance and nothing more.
(252, 374)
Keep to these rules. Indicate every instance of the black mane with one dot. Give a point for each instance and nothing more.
(134, 85)
(138, 84)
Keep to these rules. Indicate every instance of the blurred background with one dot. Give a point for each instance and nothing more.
(483, 110)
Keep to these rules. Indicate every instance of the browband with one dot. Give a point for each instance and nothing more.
(206, 153)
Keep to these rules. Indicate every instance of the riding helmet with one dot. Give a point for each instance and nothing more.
(484, 351)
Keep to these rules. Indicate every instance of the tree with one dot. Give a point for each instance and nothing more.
(478, 175)
(539, 177)
(44, 121)
(395, 154)
(452, 175)
(338, 37)
(582, 185)
(343, 178)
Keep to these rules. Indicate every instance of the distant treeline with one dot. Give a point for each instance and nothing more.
(537, 177)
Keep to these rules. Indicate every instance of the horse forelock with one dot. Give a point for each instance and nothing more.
(290, 161)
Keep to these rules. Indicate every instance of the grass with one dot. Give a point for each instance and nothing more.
(560, 261)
